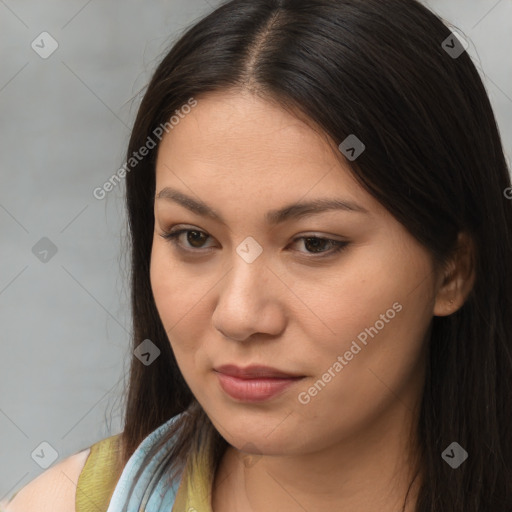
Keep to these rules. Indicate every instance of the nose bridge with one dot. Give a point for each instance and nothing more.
(248, 269)
(249, 250)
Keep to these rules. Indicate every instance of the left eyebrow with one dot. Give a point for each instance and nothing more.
(273, 217)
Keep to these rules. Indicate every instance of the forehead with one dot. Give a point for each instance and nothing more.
(238, 147)
(239, 127)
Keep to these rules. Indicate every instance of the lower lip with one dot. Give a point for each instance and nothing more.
(254, 390)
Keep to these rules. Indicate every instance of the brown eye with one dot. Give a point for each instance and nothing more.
(314, 245)
(194, 237)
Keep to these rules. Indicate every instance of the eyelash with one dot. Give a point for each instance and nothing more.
(172, 236)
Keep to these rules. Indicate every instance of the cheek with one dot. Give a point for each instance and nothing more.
(343, 303)
(163, 279)
(179, 297)
(175, 290)
(376, 319)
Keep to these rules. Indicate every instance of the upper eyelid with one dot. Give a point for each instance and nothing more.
(178, 230)
(179, 227)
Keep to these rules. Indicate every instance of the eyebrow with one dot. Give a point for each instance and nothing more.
(272, 217)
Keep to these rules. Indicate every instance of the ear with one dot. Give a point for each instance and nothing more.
(457, 280)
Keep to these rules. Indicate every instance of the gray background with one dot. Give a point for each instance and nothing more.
(65, 122)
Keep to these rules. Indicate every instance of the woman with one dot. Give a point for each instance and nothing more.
(321, 271)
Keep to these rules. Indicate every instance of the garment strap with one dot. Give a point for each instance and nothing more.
(99, 476)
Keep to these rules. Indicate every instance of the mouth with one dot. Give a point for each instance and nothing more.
(255, 372)
(254, 383)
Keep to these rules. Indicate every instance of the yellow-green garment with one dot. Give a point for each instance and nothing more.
(102, 470)
(99, 476)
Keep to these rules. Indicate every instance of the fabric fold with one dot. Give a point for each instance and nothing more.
(163, 496)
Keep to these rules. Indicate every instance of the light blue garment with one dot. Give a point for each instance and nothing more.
(163, 496)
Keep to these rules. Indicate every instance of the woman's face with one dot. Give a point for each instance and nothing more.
(248, 290)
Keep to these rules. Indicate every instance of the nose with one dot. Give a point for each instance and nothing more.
(250, 301)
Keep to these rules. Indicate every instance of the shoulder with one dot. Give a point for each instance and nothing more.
(54, 490)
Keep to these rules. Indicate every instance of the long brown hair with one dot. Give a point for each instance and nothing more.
(433, 158)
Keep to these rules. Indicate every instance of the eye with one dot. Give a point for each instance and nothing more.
(315, 242)
(198, 237)
(195, 238)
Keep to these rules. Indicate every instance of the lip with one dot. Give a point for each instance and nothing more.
(254, 383)
(254, 371)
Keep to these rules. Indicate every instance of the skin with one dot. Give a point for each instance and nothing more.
(349, 447)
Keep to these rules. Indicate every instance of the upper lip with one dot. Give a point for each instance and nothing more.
(254, 371)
